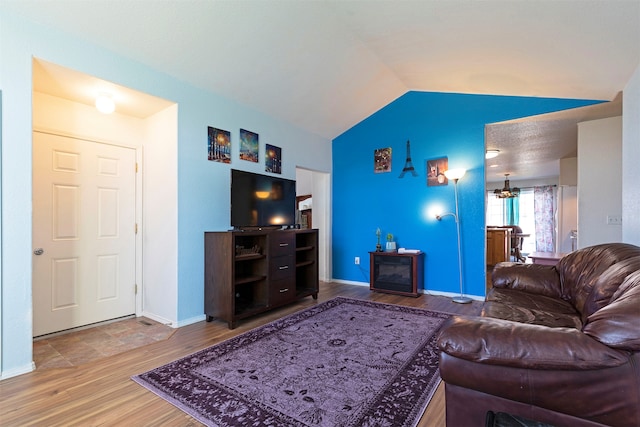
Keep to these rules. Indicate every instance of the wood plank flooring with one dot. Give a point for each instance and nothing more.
(101, 393)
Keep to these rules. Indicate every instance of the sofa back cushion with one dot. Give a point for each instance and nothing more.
(589, 277)
(617, 324)
(607, 285)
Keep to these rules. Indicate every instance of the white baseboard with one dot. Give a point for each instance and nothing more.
(18, 371)
(158, 319)
(173, 324)
(424, 291)
(190, 321)
(350, 282)
(451, 294)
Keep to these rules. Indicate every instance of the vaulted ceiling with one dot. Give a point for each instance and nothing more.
(326, 65)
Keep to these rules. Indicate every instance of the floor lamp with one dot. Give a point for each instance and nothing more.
(455, 175)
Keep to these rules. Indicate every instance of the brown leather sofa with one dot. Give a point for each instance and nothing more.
(555, 344)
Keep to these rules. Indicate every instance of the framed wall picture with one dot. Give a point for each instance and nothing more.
(435, 171)
(273, 159)
(249, 146)
(219, 145)
(382, 160)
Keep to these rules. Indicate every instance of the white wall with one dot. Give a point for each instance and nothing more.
(631, 160)
(304, 182)
(64, 117)
(160, 217)
(599, 181)
(322, 221)
(567, 216)
(202, 186)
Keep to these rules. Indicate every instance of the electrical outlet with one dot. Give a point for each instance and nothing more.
(614, 220)
(356, 261)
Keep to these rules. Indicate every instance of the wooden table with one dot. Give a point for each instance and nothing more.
(546, 258)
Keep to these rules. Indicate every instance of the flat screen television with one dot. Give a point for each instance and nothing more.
(261, 200)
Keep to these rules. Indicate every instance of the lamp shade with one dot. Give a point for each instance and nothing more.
(455, 173)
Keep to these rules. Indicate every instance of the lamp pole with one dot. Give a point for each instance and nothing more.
(455, 175)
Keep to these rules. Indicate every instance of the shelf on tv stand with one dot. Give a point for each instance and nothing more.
(248, 256)
(241, 285)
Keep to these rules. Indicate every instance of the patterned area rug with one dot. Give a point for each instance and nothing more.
(344, 362)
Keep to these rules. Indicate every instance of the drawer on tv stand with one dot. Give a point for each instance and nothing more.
(281, 292)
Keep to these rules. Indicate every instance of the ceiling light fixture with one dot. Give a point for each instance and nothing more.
(105, 104)
(490, 154)
(507, 192)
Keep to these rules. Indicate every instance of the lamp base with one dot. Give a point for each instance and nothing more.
(461, 299)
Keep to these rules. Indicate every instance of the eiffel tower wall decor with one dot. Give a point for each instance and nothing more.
(408, 165)
(435, 171)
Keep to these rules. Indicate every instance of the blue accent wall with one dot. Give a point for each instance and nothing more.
(438, 125)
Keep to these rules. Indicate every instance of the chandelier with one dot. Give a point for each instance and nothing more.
(506, 192)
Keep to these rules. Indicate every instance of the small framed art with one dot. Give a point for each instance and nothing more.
(435, 171)
(249, 146)
(219, 145)
(382, 160)
(273, 159)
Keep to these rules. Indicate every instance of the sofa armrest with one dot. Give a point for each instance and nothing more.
(502, 342)
(532, 278)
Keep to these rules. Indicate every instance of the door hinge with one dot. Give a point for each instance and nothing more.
(136, 167)
(135, 289)
(136, 228)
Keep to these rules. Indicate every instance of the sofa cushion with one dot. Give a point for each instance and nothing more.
(606, 286)
(580, 270)
(501, 342)
(532, 278)
(524, 307)
(617, 325)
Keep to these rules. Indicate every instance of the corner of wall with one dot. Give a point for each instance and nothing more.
(630, 159)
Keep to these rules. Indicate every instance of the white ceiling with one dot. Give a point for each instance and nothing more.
(326, 65)
(533, 146)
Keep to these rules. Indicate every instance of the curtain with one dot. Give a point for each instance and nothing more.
(544, 213)
(512, 207)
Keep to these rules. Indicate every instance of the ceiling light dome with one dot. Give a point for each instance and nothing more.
(105, 104)
(490, 154)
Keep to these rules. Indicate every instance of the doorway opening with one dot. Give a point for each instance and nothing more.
(63, 106)
(313, 188)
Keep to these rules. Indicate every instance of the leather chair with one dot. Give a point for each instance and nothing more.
(555, 344)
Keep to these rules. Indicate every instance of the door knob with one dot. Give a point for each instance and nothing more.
(38, 251)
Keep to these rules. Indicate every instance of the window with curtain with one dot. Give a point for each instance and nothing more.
(544, 213)
(517, 211)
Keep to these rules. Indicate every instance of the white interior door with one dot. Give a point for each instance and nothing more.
(83, 232)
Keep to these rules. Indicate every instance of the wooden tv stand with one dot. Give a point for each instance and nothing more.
(249, 272)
